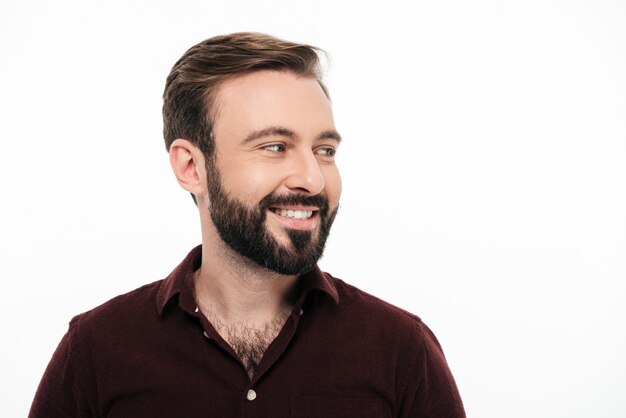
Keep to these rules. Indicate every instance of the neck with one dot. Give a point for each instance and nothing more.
(237, 289)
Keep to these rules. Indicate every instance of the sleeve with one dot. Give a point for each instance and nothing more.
(61, 392)
(429, 390)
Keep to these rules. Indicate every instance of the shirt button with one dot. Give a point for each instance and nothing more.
(301, 312)
(251, 395)
(206, 335)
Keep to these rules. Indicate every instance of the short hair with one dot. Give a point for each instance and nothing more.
(194, 80)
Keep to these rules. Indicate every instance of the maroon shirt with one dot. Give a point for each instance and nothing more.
(341, 353)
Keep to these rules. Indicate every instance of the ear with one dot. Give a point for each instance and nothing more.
(187, 162)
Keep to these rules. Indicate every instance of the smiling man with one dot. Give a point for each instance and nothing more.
(247, 325)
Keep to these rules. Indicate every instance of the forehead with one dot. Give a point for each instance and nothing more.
(271, 98)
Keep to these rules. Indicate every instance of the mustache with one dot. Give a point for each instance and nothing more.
(295, 199)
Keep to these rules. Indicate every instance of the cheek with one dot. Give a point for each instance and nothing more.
(333, 186)
(250, 180)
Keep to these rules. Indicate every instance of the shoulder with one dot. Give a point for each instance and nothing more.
(373, 315)
(123, 311)
(351, 297)
(400, 335)
(425, 383)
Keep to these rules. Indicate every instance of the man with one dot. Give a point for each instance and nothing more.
(247, 325)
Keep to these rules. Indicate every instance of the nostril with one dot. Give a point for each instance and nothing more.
(302, 189)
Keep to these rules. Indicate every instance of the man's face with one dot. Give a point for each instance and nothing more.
(273, 185)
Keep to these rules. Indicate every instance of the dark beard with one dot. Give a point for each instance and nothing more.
(243, 229)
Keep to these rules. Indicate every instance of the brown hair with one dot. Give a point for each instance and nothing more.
(194, 80)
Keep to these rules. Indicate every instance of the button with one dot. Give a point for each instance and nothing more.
(251, 395)
(301, 312)
(206, 335)
(196, 309)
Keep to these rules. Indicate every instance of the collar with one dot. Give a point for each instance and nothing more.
(180, 282)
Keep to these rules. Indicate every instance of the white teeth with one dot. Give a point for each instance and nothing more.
(296, 214)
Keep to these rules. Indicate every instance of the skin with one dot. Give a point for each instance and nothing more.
(300, 162)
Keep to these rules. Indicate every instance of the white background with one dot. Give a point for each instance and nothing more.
(484, 168)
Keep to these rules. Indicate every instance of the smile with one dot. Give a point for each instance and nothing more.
(295, 214)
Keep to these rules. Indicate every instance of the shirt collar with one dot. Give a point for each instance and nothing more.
(180, 282)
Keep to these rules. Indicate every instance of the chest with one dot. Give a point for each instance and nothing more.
(214, 386)
(187, 373)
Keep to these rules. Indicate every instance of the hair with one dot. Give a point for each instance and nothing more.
(194, 81)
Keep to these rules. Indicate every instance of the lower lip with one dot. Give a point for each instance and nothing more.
(298, 224)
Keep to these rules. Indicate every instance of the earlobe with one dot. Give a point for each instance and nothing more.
(187, 163)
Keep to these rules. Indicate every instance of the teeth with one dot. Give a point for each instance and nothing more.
(296, 214)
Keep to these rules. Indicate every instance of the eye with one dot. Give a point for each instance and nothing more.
(275, 148)
(328, 152)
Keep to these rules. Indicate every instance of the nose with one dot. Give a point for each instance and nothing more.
(305, 174)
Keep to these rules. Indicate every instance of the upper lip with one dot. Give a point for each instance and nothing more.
(295, 207)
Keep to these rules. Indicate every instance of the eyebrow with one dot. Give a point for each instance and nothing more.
(288, 133)
(330, 135)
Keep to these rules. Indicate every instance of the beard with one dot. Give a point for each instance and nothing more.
(243, 228)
